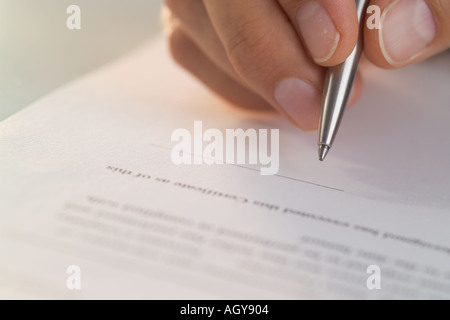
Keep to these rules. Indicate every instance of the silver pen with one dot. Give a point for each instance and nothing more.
(338, 85)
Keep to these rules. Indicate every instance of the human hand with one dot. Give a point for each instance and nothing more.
(261, 54)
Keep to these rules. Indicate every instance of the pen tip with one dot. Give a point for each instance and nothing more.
(323, 151)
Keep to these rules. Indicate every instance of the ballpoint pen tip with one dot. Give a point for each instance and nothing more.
(323, 151)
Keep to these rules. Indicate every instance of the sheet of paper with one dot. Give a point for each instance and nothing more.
(90, 197)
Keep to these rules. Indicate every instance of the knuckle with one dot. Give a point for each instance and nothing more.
(442, 6)
(441, 12)
(250, 49)
(173, 5)
(287, 3)
(179, 45)
(441, 9)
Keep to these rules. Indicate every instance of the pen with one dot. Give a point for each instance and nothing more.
(338, 86)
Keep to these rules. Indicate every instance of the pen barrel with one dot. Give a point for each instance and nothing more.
(338, 86)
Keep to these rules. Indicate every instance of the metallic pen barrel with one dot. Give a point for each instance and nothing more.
(338, 86)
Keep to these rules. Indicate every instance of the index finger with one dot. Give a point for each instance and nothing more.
(264, 48)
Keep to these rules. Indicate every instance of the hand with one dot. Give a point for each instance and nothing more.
(261, 54)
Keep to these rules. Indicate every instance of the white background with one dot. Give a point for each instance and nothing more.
(38, 53)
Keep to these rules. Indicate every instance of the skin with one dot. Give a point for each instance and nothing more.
(242, 49)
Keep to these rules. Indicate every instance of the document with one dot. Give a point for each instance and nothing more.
(92, 205)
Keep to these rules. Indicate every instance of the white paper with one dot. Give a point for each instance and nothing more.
(86, 180)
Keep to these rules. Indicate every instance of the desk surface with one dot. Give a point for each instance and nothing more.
(38, 53)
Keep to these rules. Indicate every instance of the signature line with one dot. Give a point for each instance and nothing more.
(256, 170)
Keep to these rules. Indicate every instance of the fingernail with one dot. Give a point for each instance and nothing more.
(407, 28)
(300, 101)
(318, 31)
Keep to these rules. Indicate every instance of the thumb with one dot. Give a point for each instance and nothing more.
(409, 31)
